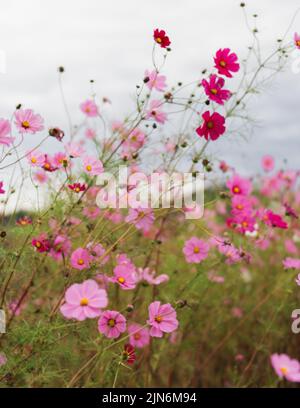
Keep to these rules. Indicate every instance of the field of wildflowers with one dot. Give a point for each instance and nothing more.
(141, 296)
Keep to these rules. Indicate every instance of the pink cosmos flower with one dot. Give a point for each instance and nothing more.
(297, 40)
(162, 319)
(35, 158)
(60, 247)
(90, 133)
(91, 212)
(226, 62)
(239, 185)
(60, 160)
(240, 204)
(74, 149)
(142, 218)
(290, 246)
(40, 176)
(231, 253)
(214, 91)
(112, 324)
(92, 165)
(89, 108)
(212, 127)
(291, 263)
(297, 280)
(49, 164)
(285, 367)
(28, 122)
(96, 253)
(155, 113)
(16, 307)
(1, 188)
(138, 335)
(41, 243)
(5, 129)
(154, 80)
(268, 163)
(80, 259)
(149, 276)
(195, 250)
(124, 277)
(84, 300)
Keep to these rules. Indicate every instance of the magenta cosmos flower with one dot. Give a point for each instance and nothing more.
(112, 324)
(138, 335)
(285, 367)
(226, 62)
(35, 158)
(84, 300)
(155, 112)
(212, 127)
(80, 259)
(89, 108)
(124, 277)
(5, 128)
(297, 40)
(239, 185)
(162, 319)
(195, 250)
(1, 188)
(214, 89)
(28, 122)
(154, 80)
(92, 165)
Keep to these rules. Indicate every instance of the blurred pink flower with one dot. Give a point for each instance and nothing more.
(155, 113)
(297, 40)
(155, 80)
(1, 188)
(142, 218)
(5, 129)
(291, 263)
(3, 359)
(239, 185)
(268, 163)
(84, 300)
(35, 158)
(138, 335)
(89, 108)
(285, 367)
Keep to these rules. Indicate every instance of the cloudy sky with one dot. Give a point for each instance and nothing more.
(110, 42)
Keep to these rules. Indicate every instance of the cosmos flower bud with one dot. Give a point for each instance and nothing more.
(57, 133)
(129, 308)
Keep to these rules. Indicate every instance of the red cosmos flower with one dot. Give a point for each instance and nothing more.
(48, 166)
(41, 244)
(226, 62)
(212, 127)
(128, 354)
(214, 91)
(77, 187)
(161, 38)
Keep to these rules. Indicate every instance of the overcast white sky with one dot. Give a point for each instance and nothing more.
(110, 42)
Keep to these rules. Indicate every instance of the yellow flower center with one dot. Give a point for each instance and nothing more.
(47, 166)
(80, 261)
(33, 160)
(298, 43)
(245, 224)
(196, 250)
(77, 189)
(223, 64)
(239, 206)
(89, 167)
(137, 336)
(121, 280)
(210, 124)
(111, 322)
(38, 244)
(214, 91)
(158, 40)
(84, 302)
(25, 124)
(236, 189)
(158, 319)
(284, 370)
